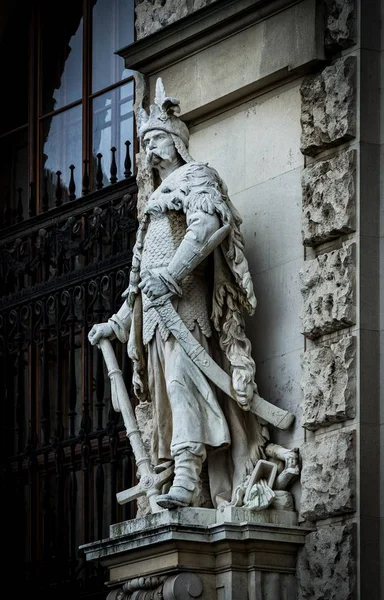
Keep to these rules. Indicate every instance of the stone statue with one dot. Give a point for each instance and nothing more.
(189, 268)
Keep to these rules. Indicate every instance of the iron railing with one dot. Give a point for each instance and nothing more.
(64, 450)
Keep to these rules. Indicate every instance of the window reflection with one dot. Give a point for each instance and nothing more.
(61, 148)
(112, 29)
(112, 127)
(62, 55)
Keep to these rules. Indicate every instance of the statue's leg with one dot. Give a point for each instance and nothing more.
(290, 459)
(197, 422)
(186, 486)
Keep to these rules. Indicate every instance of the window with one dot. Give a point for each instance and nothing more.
(66, 123)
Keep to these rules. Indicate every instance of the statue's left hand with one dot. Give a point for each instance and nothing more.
(152, 285)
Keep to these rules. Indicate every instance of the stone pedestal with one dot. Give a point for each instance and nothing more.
(201, 553)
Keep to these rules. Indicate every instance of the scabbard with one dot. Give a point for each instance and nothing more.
(280, 418)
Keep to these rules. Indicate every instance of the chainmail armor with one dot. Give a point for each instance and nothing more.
(164, 235)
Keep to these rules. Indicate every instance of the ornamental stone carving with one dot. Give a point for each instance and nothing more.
(340, 24)
(326, 565)
(329, 198)
(328, 291)
(328, 476)
(329, 383)
(181, 586)
(328, 109)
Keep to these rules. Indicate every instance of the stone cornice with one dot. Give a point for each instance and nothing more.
(197, 31)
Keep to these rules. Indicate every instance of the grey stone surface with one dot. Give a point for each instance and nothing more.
(329, 383)
(326, 567)
(209, 82)
(328, 476)
(328, 114)
(196, 517)
(144, 416)
(152, 15)
(340, 24)
(233, 514)
(329, 198)
(328, 290)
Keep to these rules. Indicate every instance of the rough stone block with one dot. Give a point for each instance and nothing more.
(329, 198)
(152, 15)
(340, 24)
(329, 384)
(328, 476)
(328, 291)
(328, 110)
(326, 566)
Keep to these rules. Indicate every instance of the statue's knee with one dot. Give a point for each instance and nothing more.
(175, 387)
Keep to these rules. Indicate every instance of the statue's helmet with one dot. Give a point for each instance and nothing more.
(162, 116)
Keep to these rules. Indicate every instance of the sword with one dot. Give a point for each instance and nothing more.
(262, 408)
(150, 481)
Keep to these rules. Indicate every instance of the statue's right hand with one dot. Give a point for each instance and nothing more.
(98, 331)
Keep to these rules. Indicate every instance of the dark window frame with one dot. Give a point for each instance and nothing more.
(33, 198)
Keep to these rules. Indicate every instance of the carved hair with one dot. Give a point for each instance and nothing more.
(181, 148)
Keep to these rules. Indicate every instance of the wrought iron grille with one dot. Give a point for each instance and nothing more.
(64, 449)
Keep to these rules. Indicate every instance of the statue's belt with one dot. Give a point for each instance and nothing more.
(262, 408)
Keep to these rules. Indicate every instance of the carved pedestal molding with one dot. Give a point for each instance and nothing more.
(176, 587)
(329, 384)
(198, 553)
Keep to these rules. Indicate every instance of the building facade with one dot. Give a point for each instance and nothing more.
(283, 98)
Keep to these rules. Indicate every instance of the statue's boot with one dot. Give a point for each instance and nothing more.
(186, 487)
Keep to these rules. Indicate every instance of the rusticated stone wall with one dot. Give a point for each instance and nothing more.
(329, 109)
(328, 290)
(340, 18)
(329, 198)
(152, 15)
(328, 476)
(329, 383)
(327, 564)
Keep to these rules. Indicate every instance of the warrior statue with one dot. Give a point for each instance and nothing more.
(189, 253)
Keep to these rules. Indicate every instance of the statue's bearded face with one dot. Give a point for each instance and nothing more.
(158, 147)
